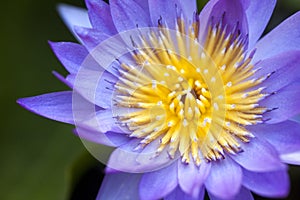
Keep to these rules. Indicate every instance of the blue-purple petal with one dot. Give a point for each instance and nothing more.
(109, 138)
(231, 13)
(100, 16)
(225, 179)
(128, 15)
(191, 178)
(101, 121)
(258, 14)
(284, 136)
(258, 155)
(139, 160)
(71, 55)
(91, 38)
(56, 106)
(291, 158)
(188, 9)
(285, 102)
(120, 185)
(283, 71)
(244, 194)
(74, 16)
(274, 184)
(158, 184)
(62, 79)
(164, 11)
(285, 37)
(96, 86)
(180, 195)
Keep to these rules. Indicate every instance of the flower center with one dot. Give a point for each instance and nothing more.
(195, 100)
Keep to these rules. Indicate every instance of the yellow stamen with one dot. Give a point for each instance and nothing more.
(197, 101)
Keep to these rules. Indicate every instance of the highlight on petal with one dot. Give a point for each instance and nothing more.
(56, 106)
(291, 158)
(74, 16)
(117, 185)
(269, 184)
(158, 184)
(224, 187)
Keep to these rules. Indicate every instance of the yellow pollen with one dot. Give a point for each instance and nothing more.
(195, 101)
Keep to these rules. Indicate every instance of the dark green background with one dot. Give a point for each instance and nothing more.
(38, 155)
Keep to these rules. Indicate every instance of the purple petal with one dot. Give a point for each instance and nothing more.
(117, 161)
(180, 195)
(158, 184)
(285, 37)
(284, 136)
(109, 138)
(56, 106)
(71, 55)
(62, 79)
(191, 177)
(96, 86)
(274, 184)
(204, 18)
(128, 15)
(118, 185)
(100, 16)
(285, 69)
(244, 194)
(74, 16)
(188, 9)
(139, 160)
(163, 10)
(102, 121)
(296, 119)
(258, 155)
(291, 158)
(262, 10)
(91, 38)
(231, 13)
(225, 178)
(286, 101)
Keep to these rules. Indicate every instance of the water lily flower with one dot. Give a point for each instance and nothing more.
(191, 101)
